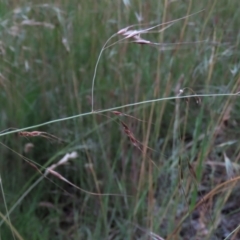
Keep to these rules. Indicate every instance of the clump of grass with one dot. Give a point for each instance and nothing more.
(108, 150)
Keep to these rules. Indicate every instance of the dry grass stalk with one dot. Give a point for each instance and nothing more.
(219, 188)
(16, 233)
(64, 160)
(51, 170)
(135, 35)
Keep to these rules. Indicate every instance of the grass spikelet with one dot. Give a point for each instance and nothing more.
(131, 136)
(39, 134)
(197, 98)
(64, 160)
(135, 35)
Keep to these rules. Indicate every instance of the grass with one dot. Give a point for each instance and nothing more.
(169, 170)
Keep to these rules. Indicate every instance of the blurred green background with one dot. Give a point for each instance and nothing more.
(49, 50)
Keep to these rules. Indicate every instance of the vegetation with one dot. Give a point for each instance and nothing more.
(150, 151)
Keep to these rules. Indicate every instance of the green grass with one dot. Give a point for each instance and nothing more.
(48, 55)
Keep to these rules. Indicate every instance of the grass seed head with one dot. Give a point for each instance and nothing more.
(28, 147)
(131, 136)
